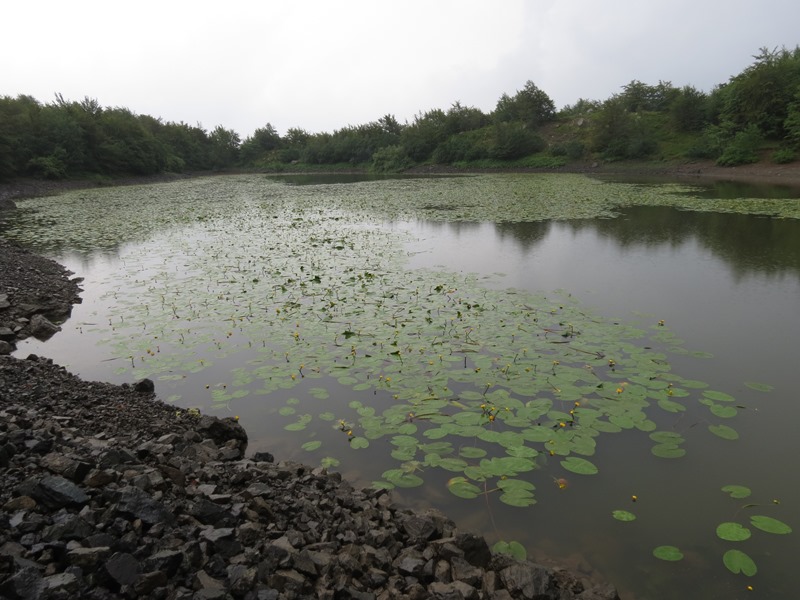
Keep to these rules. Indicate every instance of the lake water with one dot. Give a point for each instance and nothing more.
(333, 306)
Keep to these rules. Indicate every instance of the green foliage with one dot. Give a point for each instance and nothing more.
(783, 156)
(620, 134)
(529, 106)
(512, 140)
(743, 149)
(688, 110)
(390, 159)
(573, 149)
(65, 139)
(421, 138)
(640, 97)
(761, 95)
(49, 167)
(514, 549)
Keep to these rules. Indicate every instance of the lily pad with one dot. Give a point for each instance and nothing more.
(738, 562)
(463, 488)
(623, 515)
(669, 553)
(769, 524)
(311, 446)
(759, 387)
(514, 549)
(581, 466)
(668, 451)
(737, 491)
(723, 431)
(732, 532)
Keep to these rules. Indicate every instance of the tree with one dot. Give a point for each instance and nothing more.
(264, 140)
(762, 93)
(420, 138)
(530, 105)
(224, 147)
(688, 111)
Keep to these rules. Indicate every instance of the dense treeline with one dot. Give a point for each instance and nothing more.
(757, 110)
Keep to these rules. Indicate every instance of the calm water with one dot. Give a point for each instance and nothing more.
(727, 284)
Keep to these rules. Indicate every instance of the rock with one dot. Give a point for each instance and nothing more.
(145, 386)
(526, 580)
(60, 582)
(139, 504)
(25, 583)
(123, 568)
(5, 348)
(41, 328)
(56, 492)
(222, 430)
(88, 558)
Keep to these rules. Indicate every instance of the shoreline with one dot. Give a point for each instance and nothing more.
(108, 492)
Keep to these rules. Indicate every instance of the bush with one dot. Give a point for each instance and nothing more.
(573, 150)
(782, 156)
(391, 159)
(514, 140)
(743, 149)
(47, 167)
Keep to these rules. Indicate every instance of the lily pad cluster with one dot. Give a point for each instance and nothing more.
(286, 285)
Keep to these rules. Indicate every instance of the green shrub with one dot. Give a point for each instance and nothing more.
(391, 159)
(47, 167)
(782, 156)
(743, 149)
(573, 150)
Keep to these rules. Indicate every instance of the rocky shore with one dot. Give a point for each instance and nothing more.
(107, 492)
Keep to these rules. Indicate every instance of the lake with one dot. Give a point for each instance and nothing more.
(600, 372)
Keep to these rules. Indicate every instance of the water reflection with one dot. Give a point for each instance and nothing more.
(746, 244)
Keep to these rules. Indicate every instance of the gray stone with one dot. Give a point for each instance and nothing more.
(145, 386)
(41, 328)
(147, 582)
(25, 583)
(476, 550)
(168, 561)
(5, 348)
(526, 580)
(87, 558)
(56, 492)
(67, 582)
(139, 504)
(123, 568)
(241, 579)
(419, 528)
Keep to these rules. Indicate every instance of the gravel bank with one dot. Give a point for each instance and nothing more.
(107, 492)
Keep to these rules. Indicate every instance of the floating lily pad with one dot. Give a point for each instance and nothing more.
(759, 387)
(581, 466)
(718, 396)
(669, 553)
(401, 478)
(623, 515)
(769, 524)
(461, 487)
(514, 549)
(732, 532)
(738, 562)
(723, 431)
(737, 491)
(472, 452)
(668, 451)
(311, 446)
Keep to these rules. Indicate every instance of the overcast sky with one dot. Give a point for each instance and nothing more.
(324, 64)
